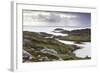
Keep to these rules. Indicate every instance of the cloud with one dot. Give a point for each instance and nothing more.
(55, 18)
(68, 16)
(47, 16)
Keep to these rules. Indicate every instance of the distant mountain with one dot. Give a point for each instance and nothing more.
(60, 30)
(79, 35)
(81, 32)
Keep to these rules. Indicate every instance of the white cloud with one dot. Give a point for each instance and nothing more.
(42, 18)
(67, 16)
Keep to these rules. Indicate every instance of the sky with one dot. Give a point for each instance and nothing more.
(52, 18)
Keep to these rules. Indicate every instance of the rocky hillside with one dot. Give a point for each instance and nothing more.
(42, 46)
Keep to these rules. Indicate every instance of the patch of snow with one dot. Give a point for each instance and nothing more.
(58, 34)
(83, 52)
(65, 42)
(70, 42)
